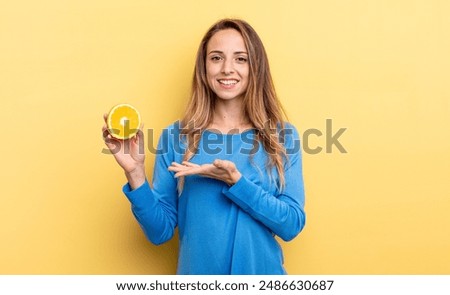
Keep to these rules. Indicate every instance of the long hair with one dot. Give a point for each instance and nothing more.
(261, 104)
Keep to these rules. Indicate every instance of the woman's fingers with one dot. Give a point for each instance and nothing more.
(184, 165)
(224, 164)
(175, 164)
(139, 137)
(176, 167)
(105, 130)
(105, 133)
(222, 170)
(184, 171)
(219, 169)
(112, 143)
(189, 164)
(185, 168)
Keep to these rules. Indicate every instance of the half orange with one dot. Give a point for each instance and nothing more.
(123, 121)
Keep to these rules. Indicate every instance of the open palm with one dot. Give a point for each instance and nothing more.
(223, 170)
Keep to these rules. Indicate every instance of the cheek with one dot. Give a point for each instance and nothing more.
(245, 71)
(211, 72)
(246, 75)
(209, 77)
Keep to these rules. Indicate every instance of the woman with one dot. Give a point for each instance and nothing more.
(229, 174)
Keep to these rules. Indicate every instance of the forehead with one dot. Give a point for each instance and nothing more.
(226, 40)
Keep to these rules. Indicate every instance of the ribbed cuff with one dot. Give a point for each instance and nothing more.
(242, 192)
(137, 195)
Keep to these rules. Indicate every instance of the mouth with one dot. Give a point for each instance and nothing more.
(228, 82)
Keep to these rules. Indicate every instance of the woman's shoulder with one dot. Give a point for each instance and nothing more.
(288, 125)
(169, 140)
(287, 129)
(174, 126)
(290, 138)
(172, 129)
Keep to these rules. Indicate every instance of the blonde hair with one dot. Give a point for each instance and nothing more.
(261, 104)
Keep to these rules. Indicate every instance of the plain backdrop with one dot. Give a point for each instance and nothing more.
(378, 68)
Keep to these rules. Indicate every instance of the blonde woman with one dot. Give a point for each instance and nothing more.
(229, 174)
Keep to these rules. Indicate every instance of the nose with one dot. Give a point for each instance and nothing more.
(227, 67)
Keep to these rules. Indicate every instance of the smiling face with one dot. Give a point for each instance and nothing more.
(227, 67)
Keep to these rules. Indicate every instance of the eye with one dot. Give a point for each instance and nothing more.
(241, 59)
(215, 58)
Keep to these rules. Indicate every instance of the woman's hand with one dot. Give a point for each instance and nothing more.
(223, 170)
(129, 154)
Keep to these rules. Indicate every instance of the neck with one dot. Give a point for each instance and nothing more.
(229, 116)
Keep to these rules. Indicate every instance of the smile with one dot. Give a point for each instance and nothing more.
(228, 81)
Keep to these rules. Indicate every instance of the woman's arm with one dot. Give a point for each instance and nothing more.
(283, 213)
(154, 208)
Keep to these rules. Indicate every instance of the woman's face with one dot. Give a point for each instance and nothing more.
(227, 66)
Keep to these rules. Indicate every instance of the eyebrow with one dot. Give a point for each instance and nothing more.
(221, 52)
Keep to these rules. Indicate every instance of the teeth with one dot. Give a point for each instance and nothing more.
(228, 82)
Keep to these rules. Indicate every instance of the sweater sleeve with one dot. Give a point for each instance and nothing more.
(283, 213)
(155, 208)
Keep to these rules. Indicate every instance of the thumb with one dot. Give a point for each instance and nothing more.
(222, 164)
(218, 163)
(140, 133)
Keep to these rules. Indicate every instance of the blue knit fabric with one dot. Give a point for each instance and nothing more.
(222, 229)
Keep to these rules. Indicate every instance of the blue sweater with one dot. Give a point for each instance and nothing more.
(222, 229)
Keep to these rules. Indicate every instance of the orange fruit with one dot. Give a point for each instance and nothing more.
(123, 121)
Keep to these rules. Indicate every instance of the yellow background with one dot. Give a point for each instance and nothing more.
(379, 68)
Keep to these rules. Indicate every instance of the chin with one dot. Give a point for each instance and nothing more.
(229, 96)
